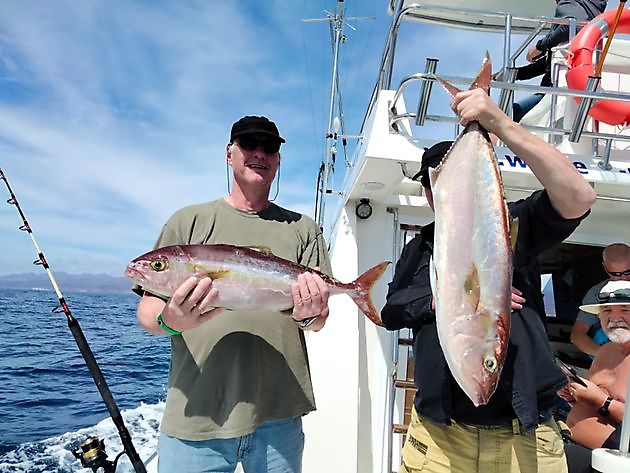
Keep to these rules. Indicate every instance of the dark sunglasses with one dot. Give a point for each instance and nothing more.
(252, 142)
(621, 295)
(619, 273)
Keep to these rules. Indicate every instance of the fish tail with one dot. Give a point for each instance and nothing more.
(481, 81)
(484, 76)
(450, 88)
(362, 295)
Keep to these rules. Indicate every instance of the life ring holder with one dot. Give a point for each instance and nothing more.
(580, 65)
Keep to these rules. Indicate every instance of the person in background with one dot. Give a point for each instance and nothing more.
(586, 333)
(447, 432)
(540, 54)
(239, 382)
(598, 404)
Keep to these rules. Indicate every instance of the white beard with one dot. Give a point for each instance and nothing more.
(618, 332)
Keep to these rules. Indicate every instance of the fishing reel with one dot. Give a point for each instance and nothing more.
(92, 455)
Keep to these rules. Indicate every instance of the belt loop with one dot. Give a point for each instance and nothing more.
(516, 429)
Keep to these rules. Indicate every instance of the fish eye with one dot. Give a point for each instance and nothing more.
(490, 364)
(158, 265)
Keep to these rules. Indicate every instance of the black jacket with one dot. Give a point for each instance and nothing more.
(530, 376)
(581, 10)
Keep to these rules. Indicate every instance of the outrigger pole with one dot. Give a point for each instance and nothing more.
(88, 356)
(337, 21)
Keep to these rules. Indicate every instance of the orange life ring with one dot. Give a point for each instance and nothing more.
(580, 61)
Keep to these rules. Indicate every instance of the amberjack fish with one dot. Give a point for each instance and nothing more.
(472, 258)
(246, 278)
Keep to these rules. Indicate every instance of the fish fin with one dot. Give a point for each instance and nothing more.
(434, 173)
(450, 88)
(216, 274)
(484, 76)
(472, 286)
(362, 296)
(513, 232)
(433, 278)
(265, 250)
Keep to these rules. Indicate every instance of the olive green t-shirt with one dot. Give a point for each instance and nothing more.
(240, 368)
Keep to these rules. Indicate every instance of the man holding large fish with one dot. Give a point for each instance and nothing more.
(485, 374)
(239, 381)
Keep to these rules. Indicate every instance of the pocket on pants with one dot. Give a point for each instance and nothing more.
(549, 440)
(420, 451)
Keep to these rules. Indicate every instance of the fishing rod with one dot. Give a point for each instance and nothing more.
(92, 451)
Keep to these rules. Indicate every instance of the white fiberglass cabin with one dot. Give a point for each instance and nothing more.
(360, 371)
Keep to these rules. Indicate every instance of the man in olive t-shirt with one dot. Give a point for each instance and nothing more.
(239, 381)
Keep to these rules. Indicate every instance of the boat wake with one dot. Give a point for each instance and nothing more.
(54, 455)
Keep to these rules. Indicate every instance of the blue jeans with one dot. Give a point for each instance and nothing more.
(274, 447)
(521, 107)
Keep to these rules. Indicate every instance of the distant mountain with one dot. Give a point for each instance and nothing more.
(67, 282)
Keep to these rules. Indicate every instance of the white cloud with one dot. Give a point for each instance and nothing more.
(114, 116)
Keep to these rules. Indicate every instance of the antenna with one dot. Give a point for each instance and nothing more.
(337, 21)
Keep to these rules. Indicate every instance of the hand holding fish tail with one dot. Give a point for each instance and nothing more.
(552, 168)
(310, 299)
(476, 105)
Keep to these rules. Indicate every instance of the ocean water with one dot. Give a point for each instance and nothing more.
(49, 403)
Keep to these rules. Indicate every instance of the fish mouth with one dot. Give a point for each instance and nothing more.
(133, 273)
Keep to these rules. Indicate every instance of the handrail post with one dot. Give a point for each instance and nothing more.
(507, 95)
(425, 91)
(583, 109)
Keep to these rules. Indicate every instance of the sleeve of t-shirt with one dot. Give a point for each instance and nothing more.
(316, 253)
(589, 298)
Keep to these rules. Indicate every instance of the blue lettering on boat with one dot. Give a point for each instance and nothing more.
(581, 167)
(513, 161)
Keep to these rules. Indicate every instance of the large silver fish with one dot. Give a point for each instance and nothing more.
(472, 258)
(246, 278)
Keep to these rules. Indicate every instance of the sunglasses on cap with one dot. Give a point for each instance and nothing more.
(252, 142)
(618, 295)
(619, 273)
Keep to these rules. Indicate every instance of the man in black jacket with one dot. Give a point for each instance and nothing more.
(514, 432)
(540, 54)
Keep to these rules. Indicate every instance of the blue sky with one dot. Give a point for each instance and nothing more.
(115, 114)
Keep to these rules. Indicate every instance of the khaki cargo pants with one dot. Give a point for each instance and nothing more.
(461, 448)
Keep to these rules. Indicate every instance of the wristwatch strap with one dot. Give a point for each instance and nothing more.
(603, 411)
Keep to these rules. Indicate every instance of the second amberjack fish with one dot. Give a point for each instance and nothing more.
(246, 278)
(472, 258)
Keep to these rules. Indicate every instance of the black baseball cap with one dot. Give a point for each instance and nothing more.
(431, 158)
(250, 125)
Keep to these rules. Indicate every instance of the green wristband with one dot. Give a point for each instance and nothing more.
(165, 327)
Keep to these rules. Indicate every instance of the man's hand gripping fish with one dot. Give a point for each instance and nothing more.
(472, 257)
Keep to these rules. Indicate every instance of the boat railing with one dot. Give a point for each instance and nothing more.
(427, 78)
(508, 23)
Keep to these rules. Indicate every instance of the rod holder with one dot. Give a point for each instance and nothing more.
(425, 91)
(605, 163)
(507, 95)
(583, 109)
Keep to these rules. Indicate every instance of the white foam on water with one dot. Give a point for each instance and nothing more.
(53, 455)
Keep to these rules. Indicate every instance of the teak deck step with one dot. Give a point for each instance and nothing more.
(405, 384)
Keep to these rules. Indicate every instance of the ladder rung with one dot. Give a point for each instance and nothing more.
(405, 384)
(405, 341)
(400, 428)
